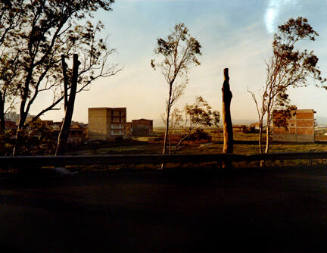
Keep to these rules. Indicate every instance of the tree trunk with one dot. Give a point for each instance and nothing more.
(22, 113)
(260, 136)
(262, 162)
(267, 135)
(2, 114)
(227, 120)
(164, 149)
(20, 128)
(69, 105)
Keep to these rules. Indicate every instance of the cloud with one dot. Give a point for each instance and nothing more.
(272, 12)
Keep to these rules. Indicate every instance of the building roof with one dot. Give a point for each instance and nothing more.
(305, 110)
(142, 119)
(102, 108)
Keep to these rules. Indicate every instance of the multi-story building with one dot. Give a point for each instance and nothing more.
(298, 127)
(106, 123)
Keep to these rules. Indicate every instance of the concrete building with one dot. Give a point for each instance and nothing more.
(299, 127)
(142, 127)
(106, 123)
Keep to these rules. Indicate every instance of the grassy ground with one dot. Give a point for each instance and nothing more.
(245, 144)
(248, 211)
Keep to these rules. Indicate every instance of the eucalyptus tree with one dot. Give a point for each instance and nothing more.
(289, 66)
(53, 28)
(175, 55)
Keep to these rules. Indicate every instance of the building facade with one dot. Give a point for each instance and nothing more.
(299, 127)
(106, 123)
(142, 127)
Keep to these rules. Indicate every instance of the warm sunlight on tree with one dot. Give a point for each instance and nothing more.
(289, 66)
(175, 55)
(192, 120)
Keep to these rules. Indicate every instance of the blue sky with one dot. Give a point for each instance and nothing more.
(235, 34)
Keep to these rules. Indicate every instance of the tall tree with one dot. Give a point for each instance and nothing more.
(289, 66)
(52, 28)
(176, 54)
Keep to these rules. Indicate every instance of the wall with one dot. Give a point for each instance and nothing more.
(300, 128)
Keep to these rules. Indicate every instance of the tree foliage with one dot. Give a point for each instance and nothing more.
(193, 119)
(11, 17)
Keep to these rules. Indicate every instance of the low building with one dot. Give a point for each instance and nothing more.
(239, 128)
(297, 127)
(77, 133)
(142, 127)
(106, 123)
(128, 129)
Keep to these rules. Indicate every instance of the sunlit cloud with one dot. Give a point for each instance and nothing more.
(272, 13)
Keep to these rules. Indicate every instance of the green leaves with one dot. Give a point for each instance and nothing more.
(291, 66)
(176, 53)
(201, 114)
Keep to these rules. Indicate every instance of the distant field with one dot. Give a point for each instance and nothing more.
(246, 143)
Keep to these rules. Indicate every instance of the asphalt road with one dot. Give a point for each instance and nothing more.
(281, 210)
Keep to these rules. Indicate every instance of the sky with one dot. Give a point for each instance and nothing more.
(236, 34)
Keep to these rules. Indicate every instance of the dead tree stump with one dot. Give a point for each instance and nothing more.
(227, 120)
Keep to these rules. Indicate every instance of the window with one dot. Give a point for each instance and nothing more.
(116, 132)
(116, 126)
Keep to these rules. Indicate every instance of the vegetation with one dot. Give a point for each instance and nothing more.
(288, 67)
(52, 47)
(39, 34)
(176, 54)
(192, 120)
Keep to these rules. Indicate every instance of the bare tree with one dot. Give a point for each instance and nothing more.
(288, 67)
(177, 53)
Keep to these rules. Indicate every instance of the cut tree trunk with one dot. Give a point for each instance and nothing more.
(69, 104)
(227, 120)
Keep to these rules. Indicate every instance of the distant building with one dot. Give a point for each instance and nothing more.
(77, 133)
(299, 126)
(239, 128)
(106, 123)
(128, 129)
(142, 127)
(12, 116)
